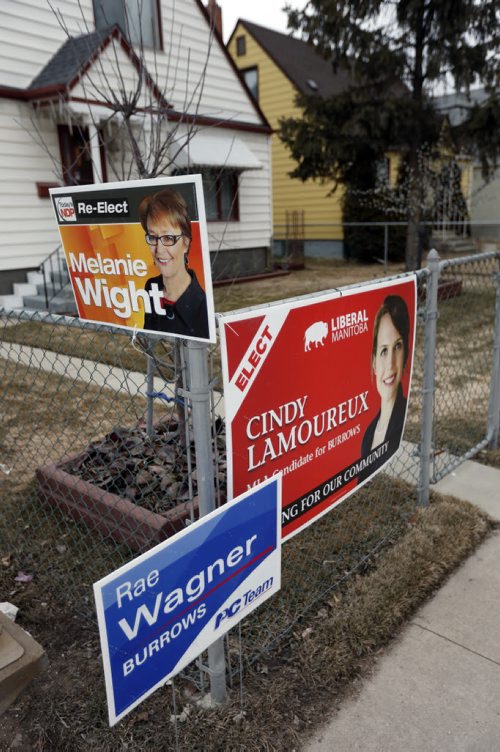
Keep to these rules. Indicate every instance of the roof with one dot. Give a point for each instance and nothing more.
(76, 55)
(69, 60)
(457, 106)
(306, 69)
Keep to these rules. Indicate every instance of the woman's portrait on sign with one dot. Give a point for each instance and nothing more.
(179, 304)
(389, 358)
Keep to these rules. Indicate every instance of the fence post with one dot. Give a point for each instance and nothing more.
(431, 312)
(149, 389)
(494, 402)
(199, 395)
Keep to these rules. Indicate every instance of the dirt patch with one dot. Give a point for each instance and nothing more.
(490, 457)
(281, 699)
(43, 414)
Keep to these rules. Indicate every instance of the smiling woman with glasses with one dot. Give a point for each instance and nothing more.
(164, 217)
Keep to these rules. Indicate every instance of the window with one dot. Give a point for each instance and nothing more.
(75, 155)
(139, 20)
(382, 171)
(221, 194)
(241, 46)
(251, 78)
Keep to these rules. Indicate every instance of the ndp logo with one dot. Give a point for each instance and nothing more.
(65, 209)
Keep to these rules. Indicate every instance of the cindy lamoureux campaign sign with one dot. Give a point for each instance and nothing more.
(137, 254)
(157, 613)
(318, 389)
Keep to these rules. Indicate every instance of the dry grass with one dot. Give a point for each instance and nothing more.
(284, 697)
(115, 349)
(319, 274)
(44, 415)
(102, 347)
(400, 557)
(489, 457)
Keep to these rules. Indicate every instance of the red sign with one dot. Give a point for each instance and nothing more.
(318, 390)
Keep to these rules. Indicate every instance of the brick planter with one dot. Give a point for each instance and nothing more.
(447, 288)
(114, 516)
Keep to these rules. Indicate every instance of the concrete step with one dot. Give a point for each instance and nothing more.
(11, 301)
(35, 278)
(60, 304)
(24, 288)
(53, 289)
(23, 660)
(464, 247)
(63, 304)
(34, 303)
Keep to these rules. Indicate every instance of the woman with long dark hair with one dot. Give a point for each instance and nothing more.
(389, 356)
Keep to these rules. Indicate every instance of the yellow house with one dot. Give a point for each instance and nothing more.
(276, 67)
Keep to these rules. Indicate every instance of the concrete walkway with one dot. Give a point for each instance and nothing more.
(108, 377)
(72, 367)
(437, 688)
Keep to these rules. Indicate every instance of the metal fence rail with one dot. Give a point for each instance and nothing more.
(100, 447)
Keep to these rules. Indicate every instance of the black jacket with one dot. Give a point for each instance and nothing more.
(187, 317)
(393, 434)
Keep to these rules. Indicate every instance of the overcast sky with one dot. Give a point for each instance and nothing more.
(264, 12)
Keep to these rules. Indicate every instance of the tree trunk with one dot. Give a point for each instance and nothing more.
(413, 252)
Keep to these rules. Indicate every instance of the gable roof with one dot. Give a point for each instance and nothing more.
(67, 63)
(299, 61)
(74, 58)
(70, 63)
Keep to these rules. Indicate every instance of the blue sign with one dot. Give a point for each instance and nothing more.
(157, 613)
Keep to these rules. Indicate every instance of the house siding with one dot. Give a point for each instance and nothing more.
(28, 229)
(322, 212)
(30, 35)
(485, 207)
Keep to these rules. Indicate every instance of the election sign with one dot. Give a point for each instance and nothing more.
(137, 254)
(157, 613)
(317, 389)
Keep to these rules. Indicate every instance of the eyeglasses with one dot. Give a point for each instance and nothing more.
(166, 240)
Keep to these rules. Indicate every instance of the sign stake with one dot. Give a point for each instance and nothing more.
(199, 395)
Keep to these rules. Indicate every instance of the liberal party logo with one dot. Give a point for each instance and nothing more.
(315, 334)
(65, 209)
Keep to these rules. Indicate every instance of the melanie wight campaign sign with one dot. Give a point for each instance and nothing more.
(137, 254)
(318, 390)
(160, 611)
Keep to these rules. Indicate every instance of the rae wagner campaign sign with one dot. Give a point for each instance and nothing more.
(157, 613)
(318, 389)
(137, 254)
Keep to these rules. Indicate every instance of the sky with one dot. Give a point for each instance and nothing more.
(264, 12)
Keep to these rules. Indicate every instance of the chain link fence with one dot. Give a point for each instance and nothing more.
(98, 459)
(465, 359)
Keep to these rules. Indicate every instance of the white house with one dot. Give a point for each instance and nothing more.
(484, 195)
(82, 82)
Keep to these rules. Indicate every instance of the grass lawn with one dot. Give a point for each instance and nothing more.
(283, 696)
(368, 564)
(116, 349)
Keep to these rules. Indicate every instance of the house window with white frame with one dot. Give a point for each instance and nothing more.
(139, 20)
(251, 78)
(220, 190)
